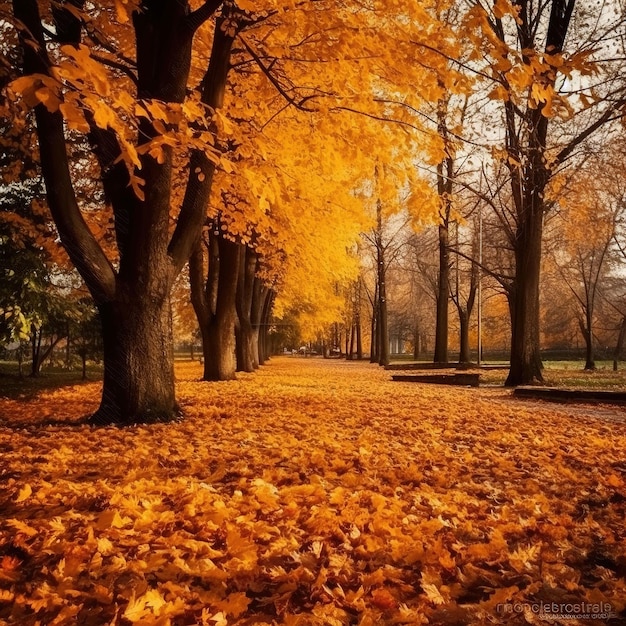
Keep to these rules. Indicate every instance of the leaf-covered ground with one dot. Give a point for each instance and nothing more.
(312, 492)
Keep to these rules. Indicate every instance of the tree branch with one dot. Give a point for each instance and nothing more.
(299, 104)
(608, 116)
(198, 17)
(80, 243)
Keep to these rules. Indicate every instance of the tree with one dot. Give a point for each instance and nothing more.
(85, 333)
(214, 300)
(591, 209)
(122, 76)
(35, 305)
(445, 181)
(355, 349)
(542, 57)
(463, 292)
(386, 241)
(316, 86)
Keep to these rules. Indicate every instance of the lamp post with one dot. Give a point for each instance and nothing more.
(479, 308)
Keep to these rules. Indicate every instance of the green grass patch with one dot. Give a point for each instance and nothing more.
(26, 387)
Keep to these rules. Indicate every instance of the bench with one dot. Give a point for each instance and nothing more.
(465, 380)
(570, 395)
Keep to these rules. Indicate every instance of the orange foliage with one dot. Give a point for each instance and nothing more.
(314, 492)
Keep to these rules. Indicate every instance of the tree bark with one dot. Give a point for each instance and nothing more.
(374, 342)
(20, 361)
(244, 334)
(259, 293)
(134, 299)
(213, 300)
(464, 346)
(530, 174)
(383, 326)
(264, 344)
(445, 179)
(416, 341)
(526, 366)
(586, 328)
(357, 321)
(619, 344)
(138, 360)
(68, 348)
(443, 289)
(464, 308)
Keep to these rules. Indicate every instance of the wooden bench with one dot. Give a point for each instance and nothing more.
(410, 365)
(557, 394)
(465, 380)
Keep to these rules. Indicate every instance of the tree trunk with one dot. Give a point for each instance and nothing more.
(619, 344)
(464, 345)
(445, 187)
(35, 340)
(374, 336)
(525, 353)
(259, 293)
(465, 312)
(244, 296)
(268, 303)
(215, 305)
(530, 170)
(20, 361)
(138, 382)
(586, 328)
(133, 298)
(383, 323)
(416, 341)
(441, 329)
(357, 320)
(383, 335)
(68, 346)
(374, 341)
(350, 351)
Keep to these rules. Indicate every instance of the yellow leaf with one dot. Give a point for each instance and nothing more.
(110, 519)
(48, 98)
(615, 481)
(22, 527)
(25, 493)
(6, 595)
(136, 609)
(235, 604)
(219, 619)
(433, 593)
(74, 116)
(154, 600)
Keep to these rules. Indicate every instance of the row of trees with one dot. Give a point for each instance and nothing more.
(255, 141)
(547, 93)
(582, 300)
(139, 87)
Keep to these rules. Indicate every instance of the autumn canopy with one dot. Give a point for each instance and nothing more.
(191, 187)
(250, 144)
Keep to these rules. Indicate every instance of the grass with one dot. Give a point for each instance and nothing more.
(27, 387)
(570, 374)
(562, 374)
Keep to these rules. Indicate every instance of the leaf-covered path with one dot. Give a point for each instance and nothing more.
(312, 492)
